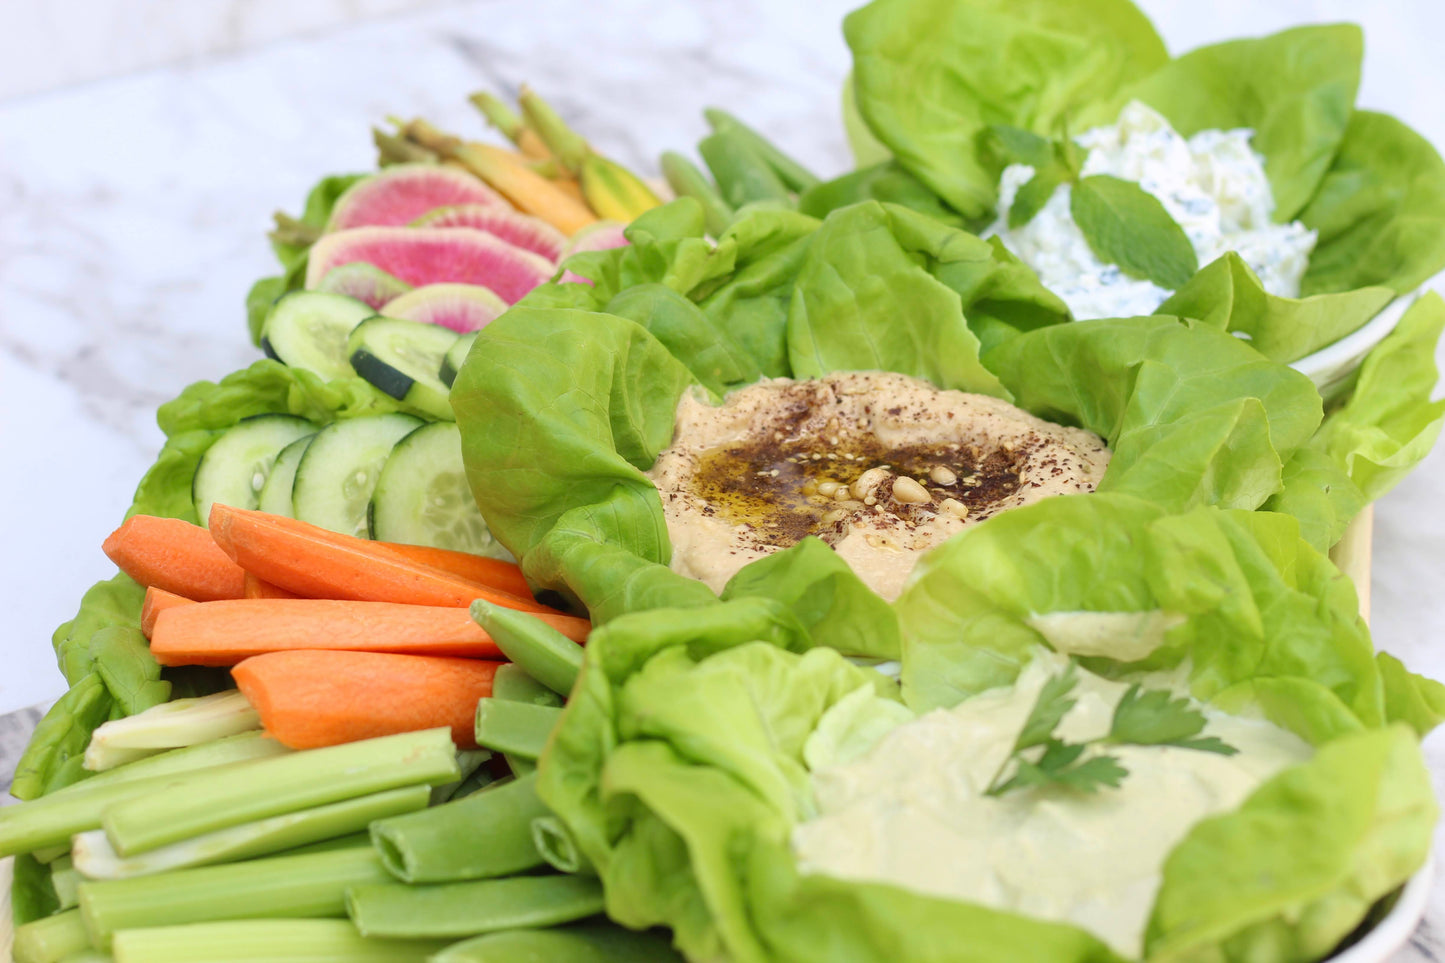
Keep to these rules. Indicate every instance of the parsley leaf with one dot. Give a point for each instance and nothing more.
(1142, 717)
(1156, 718)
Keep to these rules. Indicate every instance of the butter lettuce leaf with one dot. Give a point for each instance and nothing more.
(1379, 211)
(1295, 89)
(1249, 600)
(1229, 296)
(1193, 415)
(1293, 870)
(930, 76)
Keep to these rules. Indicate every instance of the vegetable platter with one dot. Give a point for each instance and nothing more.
(394, 532)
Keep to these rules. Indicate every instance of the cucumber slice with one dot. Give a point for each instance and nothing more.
(234, 469)
(308, 329)
(422, 497)
(452, 360)
(339, 470)
(276, 493)
(402, 359)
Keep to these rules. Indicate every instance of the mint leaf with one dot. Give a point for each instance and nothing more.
(1127, 226)
(1156, 718)
(1032, 197)
(1019, 146)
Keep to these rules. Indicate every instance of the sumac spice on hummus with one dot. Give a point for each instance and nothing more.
(878, 465)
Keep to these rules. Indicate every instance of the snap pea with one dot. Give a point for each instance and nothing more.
(793, 174)
(587, 943)
(397, 910)
(742, 174)
(686, 180)
(543, 653)
(486, 834)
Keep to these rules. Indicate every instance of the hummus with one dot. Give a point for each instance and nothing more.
(878, 465)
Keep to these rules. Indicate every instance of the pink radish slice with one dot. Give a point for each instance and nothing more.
(400, 194)
(461, 307)
(433, 255)
(514, 227)
(364, 282)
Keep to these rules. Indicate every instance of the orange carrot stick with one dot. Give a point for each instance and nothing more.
(320, 564)
(309, 698)
(225, 632)
(257, 589)
(476, 568)
(157, 601)
(174, 555)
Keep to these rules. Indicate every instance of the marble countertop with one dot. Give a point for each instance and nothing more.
(133, 213)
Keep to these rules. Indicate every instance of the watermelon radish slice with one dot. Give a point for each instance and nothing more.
(602, 236)
(523, 230)
(404, 192)
(461, 307)
(433, 255)
(364, 282)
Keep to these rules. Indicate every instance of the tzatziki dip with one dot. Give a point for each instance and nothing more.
(1212, 184)
(914, 810)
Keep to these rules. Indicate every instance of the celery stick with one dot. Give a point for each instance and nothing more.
(591, 943)
(544, 653)
(265, 941)
(515, 728)
(184, 722)
(97, 859)
(89, 956)
(311, 886)
(51, 820)
(514, 684)
(478, 906)
(271, 787)
(51, 939)
(65, 879)
(486, 834)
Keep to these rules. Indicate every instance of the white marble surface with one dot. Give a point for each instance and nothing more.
(132, 215)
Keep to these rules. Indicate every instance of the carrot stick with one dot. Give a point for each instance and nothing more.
(320, 564)
(157, 601)
(258, 589)
(225, 632)
(174, 555)
(309, 698)
(476, 568)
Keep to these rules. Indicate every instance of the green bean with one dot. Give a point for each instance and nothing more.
(312, 885)
(271, 787)
(515, 728)
(589, 943)
(686, 180)
(265, 941)
(51, 939)
(543, 653)
(98, 860)
(795, 175)
(466, 909)
(742, 174)
(484, 835)
(513, 684)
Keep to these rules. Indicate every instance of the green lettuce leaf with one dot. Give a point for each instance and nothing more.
(1293, 870)
(1295, 89)
(1318, 492)
(885, 181)
(1229, 296)
(315, 213)
(1193, 415)
(1246, 598)
(51, 759)
(1380, 210)
(1389, 424)
(930, 76)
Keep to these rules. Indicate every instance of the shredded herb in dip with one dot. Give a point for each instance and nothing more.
(1214, 186)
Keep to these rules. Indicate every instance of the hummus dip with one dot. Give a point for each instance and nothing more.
(878, 465)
